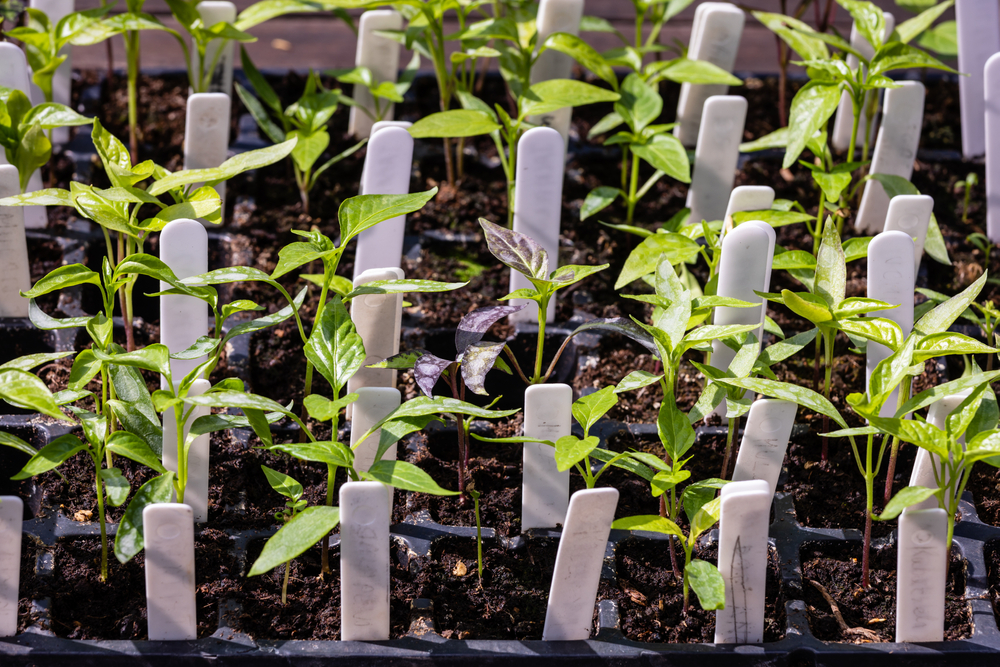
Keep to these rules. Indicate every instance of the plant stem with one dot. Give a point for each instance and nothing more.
(632, 187)
(284, 584)
(543, 309)
(854, 129)
(729, 448)
(828, 340)
(479, 538)
(331, 481)
(132, 60)
(101, 520)
(904, 395)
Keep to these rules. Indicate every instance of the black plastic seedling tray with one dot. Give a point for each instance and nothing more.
(424, 646)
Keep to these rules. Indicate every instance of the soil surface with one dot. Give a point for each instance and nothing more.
(651, 599)
(837, 567)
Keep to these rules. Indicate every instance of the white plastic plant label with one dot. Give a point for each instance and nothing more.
(538, 186)
(716, 157)
(206, 134)
(183, 319)
(381, 56)
(168, 533)
(715, 37)
(364, 561)
(579, 559)
(743, 524)
(386, 172)
(555, 16)
(548, 415)
(11, 513)
(16, 276)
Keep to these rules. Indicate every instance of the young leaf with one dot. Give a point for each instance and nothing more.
(906, 497)
(674, 248)
(282, 483)
(133, 447)
(477, 361)
(454, 123)
(405, 476)
(570, 450)
(24, 390)
(518, 251)
(427, 369)
(811, 108)
(554, 94)
(651, 523)
(636, 380)
(51, 456)
(301, 532)
(588, 409)
(334, 347)
(831, 267)
(129, 538)
(115, 486)
(365, 211)
(474, 326)
(707, 584)
(597, 200)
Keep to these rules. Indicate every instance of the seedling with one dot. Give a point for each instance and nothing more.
(521, 253)
(703, 513)
(384, 93)
(292, 490)
(306, 120)
(474, 359)
(971, 180)
(22, 131)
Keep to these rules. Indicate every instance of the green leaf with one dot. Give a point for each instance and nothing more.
(637, 380)
(698, 72)
(61, 278)
(944, 315)
(807, 398)
(812, 107)
(115, 486)
(309, 146)
(548, 96)
(666, 153)
(334, 347)
(365, 211)
(597, 200)
(129, 538)
(301, 532)
(11, 440)
(323, 409)
(282, 483)
(402, 286)
(155, 358)
(911, 28)
(24, 390)
(31, 361)
(133, 447)
(832, 184)
(650, 523)
(674, 428)
(454, 123)
(583, 53)
(50, 456)
(588, 409)
(942, 39)
(807, 305)
(948, 343)
(570, 450)
(672, 248)
(896, 55)
(640, 104)
(518, 251)
(934, 244)
(242, 162)
(707, 584)
(831, 267)
(906, 497)
(405, 476)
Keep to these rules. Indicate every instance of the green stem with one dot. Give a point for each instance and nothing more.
(729, 448)
(101, 519)
(904, 395)
(543, 309)
(854, 130)
(182, 469)
(284, 584)
(632, 187)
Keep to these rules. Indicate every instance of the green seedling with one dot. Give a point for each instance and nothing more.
(291, 489)
(306, 121)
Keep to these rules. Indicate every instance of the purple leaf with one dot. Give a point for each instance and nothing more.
(427, 370)
(518, 251)
(473, 326)
(624, 326)
(477, 361)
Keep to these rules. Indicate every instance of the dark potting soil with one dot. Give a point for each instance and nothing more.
(83, 607)
(992, 553)
(651, 599)
(511, 601)
(312, 609)
(984, 484)
(837, 567)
